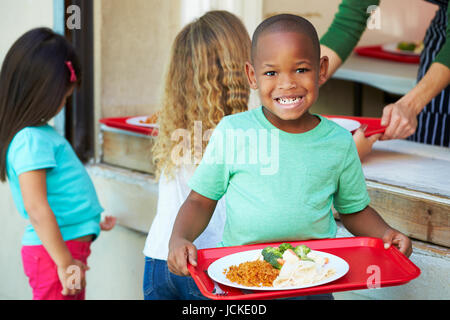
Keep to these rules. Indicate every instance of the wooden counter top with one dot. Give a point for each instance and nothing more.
(409, 185)
(410, 165)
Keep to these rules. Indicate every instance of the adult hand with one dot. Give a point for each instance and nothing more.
(400, 120)
(400, 117)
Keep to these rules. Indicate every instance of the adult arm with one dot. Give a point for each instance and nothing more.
(401, 117)
(345, 31)
(334, 60)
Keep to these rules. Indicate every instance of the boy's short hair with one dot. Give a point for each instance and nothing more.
(286, 23)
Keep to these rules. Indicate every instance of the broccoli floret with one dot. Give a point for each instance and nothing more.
(272, 250)
(284, 246)
(272, 256)
(302, 251)
(406, 46)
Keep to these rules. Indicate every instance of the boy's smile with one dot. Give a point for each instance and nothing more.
(287, 72)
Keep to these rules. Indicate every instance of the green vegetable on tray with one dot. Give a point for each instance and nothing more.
(406, 46)
(284, 246)
(275, 255)
(302, 251)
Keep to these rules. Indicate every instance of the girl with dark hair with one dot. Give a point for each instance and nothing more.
(49, 184)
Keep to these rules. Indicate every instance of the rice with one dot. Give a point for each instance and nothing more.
(257, 273)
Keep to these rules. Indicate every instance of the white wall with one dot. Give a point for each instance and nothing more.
(14, 284)
(18, 16)
(395, 21)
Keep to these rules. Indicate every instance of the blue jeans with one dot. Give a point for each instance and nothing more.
(161, 284)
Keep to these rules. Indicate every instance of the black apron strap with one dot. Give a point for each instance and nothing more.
(434, 120)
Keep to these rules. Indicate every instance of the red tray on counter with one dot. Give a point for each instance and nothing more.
(361, 253)
(373, 124)
(121, 123)
(378, 53)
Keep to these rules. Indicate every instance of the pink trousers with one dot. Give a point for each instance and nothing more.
(42, 271)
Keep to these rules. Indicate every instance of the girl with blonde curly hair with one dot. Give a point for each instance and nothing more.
(205, 82)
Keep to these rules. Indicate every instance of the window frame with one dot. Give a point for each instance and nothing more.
(79, 127)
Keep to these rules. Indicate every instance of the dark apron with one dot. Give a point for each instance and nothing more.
(434, 120)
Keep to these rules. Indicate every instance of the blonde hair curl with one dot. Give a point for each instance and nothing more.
(205, 81)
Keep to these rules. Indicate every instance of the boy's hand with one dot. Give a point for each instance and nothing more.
(72, 277)
(180, 252)
(398, 239)
(364, 144)
(108, 223)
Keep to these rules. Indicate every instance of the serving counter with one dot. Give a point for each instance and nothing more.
(409, 185)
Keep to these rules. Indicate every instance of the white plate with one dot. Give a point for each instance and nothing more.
(136, 121)
(348, 124)
(216, 269)
(392, 47)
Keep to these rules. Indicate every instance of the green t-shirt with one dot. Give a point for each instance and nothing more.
(280, 186)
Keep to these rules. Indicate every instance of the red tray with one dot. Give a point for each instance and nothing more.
(373, 124)
(121, 123)
(379, 53)
(360, 253)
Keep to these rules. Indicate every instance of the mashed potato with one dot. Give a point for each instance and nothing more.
(296, 272)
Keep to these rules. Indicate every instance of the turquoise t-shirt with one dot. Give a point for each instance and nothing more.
(70, 191)
(280, 186)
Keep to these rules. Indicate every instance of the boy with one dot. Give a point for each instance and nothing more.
(315, 165)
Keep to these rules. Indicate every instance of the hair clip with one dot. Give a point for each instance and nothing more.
(73, 76)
